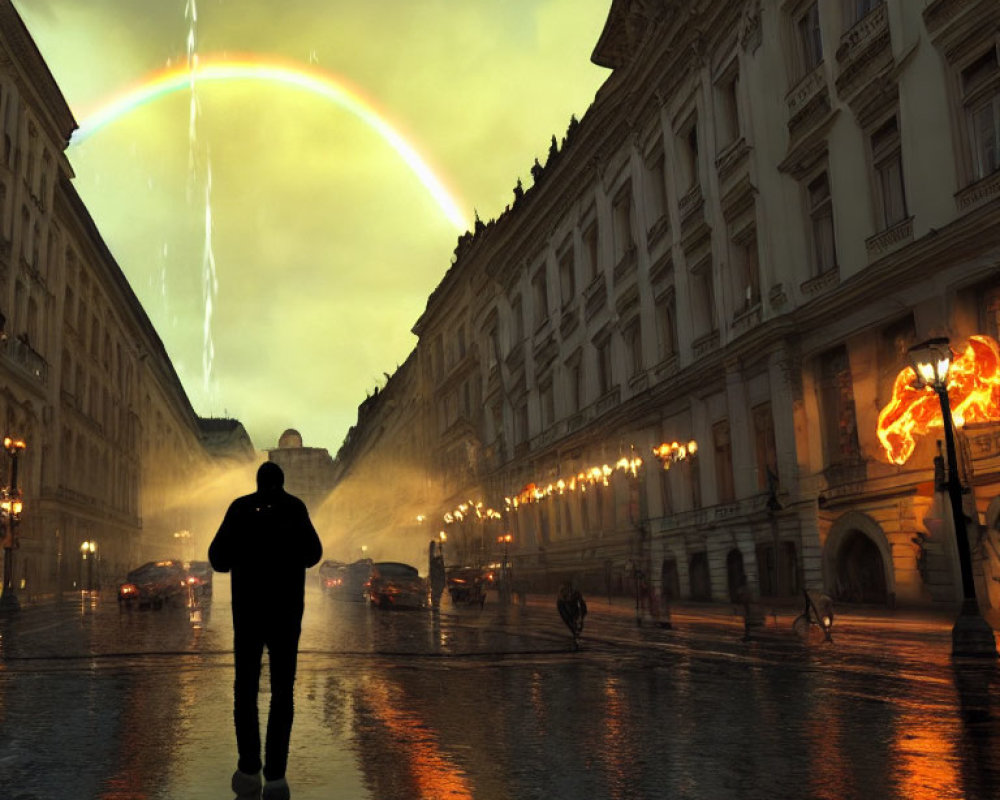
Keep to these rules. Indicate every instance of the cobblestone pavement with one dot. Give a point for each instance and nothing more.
(494, 704)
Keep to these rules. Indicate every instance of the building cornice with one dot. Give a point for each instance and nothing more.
(516, 237)
(34, 77)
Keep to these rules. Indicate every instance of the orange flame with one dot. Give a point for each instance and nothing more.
(973, 390)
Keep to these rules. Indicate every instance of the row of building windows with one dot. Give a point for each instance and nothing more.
(576, 279)
(808, 29)
(91, 469)
(891, 205)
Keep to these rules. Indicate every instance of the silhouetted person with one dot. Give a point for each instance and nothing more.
(436, 571)
(267, 541)
(572, 608)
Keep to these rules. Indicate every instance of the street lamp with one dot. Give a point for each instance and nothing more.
(87, 550)
(971, 634)
(11, 506)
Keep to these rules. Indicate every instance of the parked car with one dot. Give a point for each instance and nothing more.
(153, 584)
(200, 578)
(467, 585)
(345, 581)
(396, 585)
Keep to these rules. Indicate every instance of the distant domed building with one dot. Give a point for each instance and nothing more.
(308, 471)
(290, 438)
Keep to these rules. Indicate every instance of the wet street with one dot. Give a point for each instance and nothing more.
(494, 704)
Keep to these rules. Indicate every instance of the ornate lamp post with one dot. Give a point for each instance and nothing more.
(87, 550)
(11, 506)
(971, 634)
(505, 587)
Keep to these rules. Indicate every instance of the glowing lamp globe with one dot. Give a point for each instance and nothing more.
(931, 361)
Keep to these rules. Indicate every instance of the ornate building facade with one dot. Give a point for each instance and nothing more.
(765, 206)
(114, 451)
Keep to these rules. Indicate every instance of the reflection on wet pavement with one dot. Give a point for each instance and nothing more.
(462, 703)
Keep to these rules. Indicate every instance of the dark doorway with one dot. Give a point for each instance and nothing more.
(787, 573)
(670, 584)
(765, 570)
(860, 571)
(701, 583)
(735, 576)
(789, 566)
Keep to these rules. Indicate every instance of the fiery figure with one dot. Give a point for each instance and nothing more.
(973, 390)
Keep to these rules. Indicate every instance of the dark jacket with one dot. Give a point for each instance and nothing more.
(267, 541)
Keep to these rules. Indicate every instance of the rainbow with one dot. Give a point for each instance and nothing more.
(323, 84)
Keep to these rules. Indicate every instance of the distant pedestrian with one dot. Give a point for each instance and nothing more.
(572, 608)
(267, 541)
(436, 571)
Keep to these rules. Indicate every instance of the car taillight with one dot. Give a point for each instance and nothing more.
(193, 580)
(127, 589)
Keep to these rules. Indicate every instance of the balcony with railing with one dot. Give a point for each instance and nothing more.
(595, 296)
(891, 239)
(657, 230)
(818, 284)
(806, 100)
(751, 507)
(705, 344)
(569, 318)
(609, 400)
(515, 358)
(545, 350)
(865, 51)
(691, 207)
(731, 158)
(626, 266)
(20, 352)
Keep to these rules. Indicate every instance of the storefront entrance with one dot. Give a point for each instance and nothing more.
(860, 571)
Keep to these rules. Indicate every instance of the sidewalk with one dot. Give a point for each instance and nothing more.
(620, 606)
(861, 626)
(26, 601)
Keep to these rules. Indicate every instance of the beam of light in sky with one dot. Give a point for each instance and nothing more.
(209, 277)
(253, 68)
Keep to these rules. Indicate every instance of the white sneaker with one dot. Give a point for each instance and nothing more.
(246, 786)
(277, 790)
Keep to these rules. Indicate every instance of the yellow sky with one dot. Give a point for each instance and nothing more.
(325, 243)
